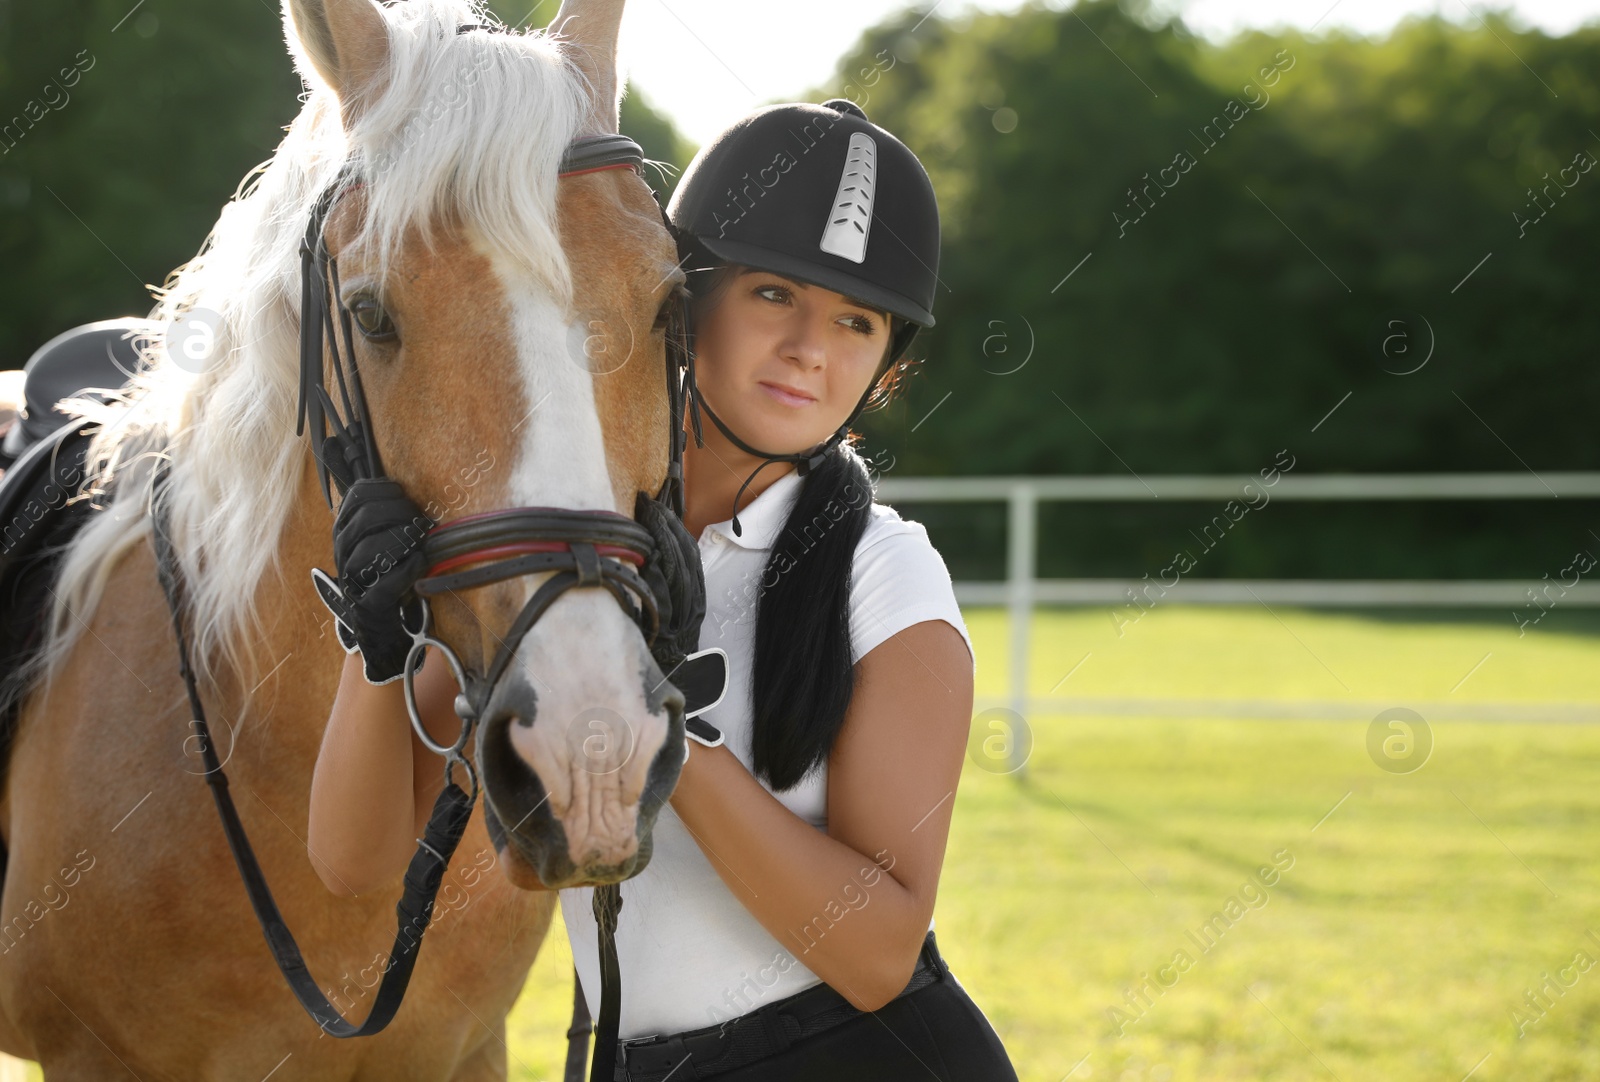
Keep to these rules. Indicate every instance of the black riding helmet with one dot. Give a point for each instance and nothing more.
(820, 194)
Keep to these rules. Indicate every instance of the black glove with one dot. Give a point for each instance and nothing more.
(377, 550)
(676, 580)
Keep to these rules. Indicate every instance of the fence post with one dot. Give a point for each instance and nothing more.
(1022, 501)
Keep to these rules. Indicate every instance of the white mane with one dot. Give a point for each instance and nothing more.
(470, 124)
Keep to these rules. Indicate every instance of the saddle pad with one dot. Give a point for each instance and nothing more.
(36, 523)
(34, 495)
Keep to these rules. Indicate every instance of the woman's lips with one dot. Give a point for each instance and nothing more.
(786, 396)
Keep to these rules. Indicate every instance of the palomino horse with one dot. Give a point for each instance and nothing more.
(128, 943)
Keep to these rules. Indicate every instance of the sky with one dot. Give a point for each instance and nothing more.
(706, 63)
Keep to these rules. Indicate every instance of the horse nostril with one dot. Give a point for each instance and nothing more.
(508, 715)
(512, 701)
(669, 698)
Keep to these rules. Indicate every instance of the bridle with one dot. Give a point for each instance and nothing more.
(585, 549)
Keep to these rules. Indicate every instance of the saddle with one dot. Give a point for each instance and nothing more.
(41, 509)
(78, 361)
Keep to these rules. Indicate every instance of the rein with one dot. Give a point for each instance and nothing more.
(585, 549)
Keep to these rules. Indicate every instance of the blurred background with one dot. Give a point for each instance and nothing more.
(1304, 293)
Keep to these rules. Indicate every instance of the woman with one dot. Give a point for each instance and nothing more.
(791, 888)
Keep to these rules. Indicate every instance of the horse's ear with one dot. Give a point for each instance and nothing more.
(588, 30)
(343, 44)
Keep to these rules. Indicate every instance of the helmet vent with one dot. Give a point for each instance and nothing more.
(850, 216)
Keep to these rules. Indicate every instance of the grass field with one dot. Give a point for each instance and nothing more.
(1413, 912)
(1397, 944)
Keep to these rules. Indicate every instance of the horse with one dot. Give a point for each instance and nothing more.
(528, 373)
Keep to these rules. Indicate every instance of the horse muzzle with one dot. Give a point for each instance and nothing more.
(574, 792)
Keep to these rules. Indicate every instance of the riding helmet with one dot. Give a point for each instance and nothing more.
(821, 194)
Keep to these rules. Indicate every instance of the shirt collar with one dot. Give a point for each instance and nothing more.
(762, 518)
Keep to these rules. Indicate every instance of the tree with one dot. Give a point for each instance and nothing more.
(1311, 224)
(113, 174)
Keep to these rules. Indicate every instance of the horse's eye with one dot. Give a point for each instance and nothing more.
(372, 320)
(674, 299)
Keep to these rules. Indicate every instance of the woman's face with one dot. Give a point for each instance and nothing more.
(783, 363)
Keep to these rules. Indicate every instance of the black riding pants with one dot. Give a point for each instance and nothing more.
(936, 1032)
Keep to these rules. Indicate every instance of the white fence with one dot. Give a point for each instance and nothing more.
(1021, 590)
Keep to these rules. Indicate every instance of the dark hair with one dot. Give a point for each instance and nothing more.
(803, 677)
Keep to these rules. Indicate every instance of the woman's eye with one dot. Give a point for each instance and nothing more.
(372, 320)
(762, 291)
(863, 324)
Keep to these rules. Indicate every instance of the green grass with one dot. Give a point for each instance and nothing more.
(1247, 653)
(1396, 946)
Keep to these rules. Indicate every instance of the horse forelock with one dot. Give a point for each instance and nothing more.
(467, 129)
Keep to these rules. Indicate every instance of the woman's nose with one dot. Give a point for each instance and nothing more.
(804, 341)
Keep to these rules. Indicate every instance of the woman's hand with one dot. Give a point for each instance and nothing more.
(377, 551)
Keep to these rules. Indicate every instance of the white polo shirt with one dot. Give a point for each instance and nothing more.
(691, 955)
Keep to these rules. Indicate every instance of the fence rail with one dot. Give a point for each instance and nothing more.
(1326, 486)
(1021, 590)
(1312, 593)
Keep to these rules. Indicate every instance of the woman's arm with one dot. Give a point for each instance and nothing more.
(374, 783)
(852, 904)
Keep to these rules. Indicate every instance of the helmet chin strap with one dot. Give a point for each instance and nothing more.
(805, 461)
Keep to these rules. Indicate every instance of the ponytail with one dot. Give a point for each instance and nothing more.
(804, 675)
